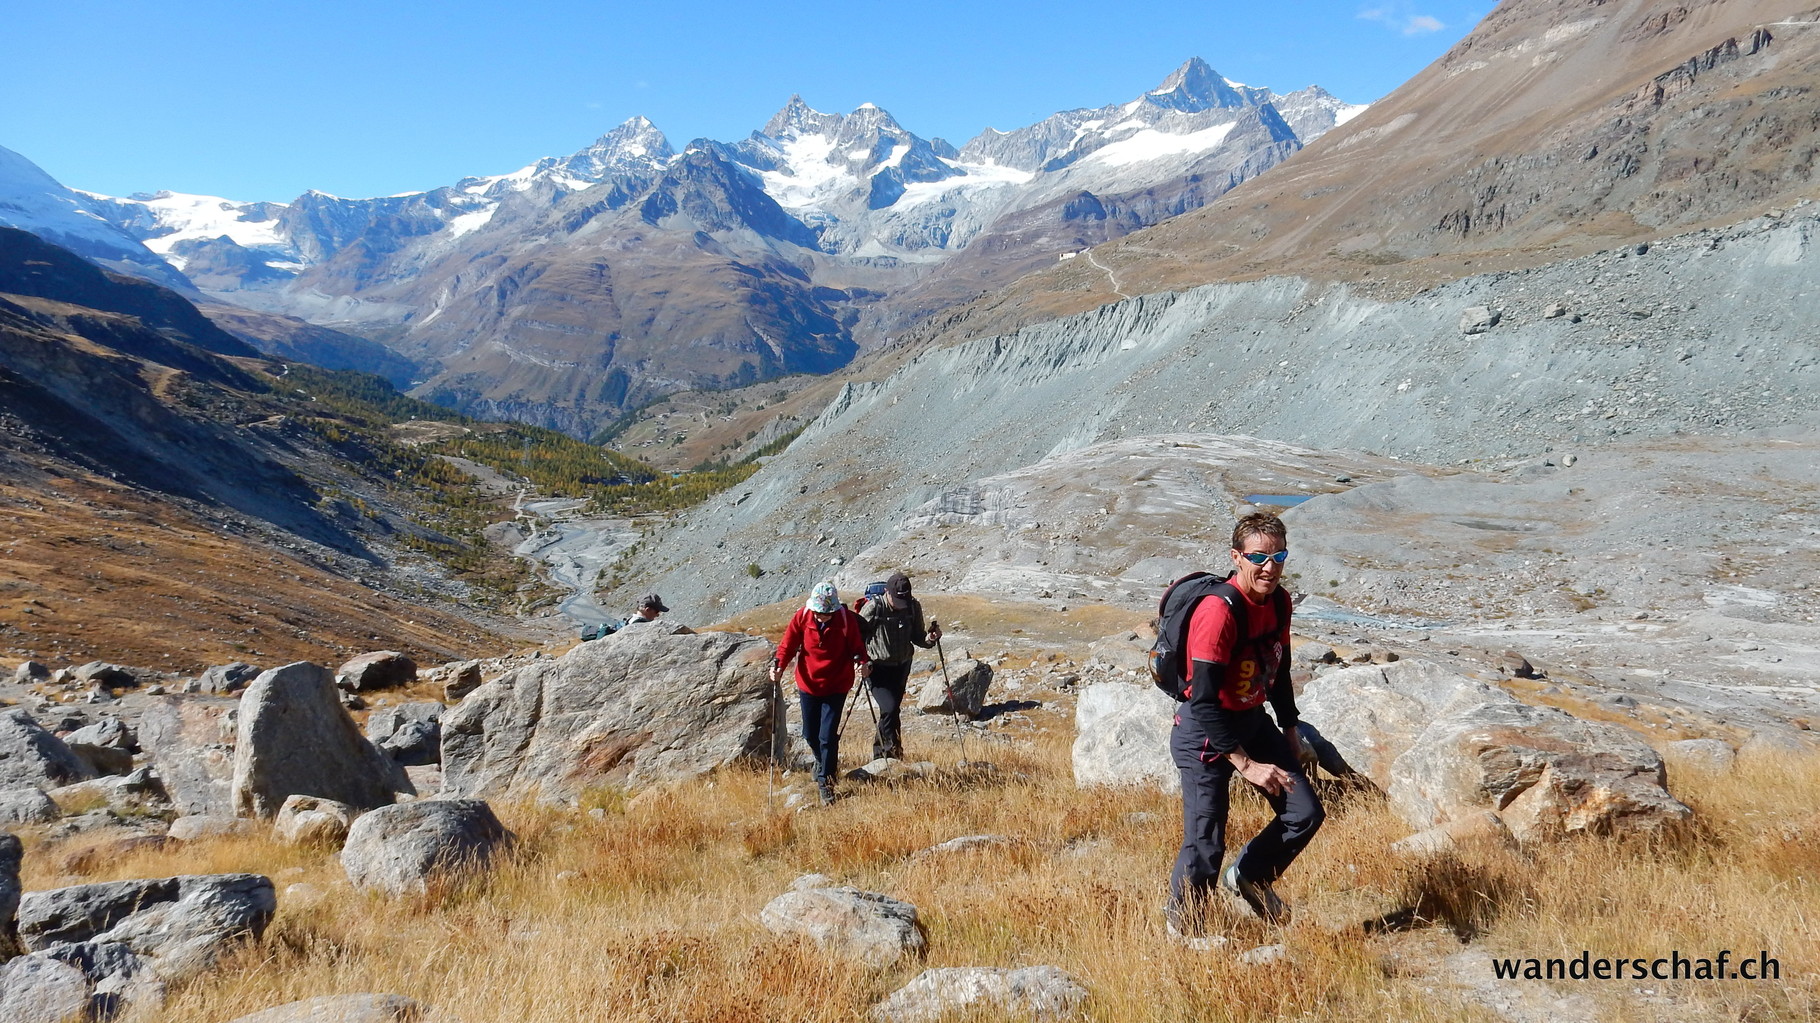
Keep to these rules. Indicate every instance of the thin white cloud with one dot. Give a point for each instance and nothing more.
(1402, 18)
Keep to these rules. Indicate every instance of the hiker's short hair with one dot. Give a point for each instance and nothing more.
(1259, 524)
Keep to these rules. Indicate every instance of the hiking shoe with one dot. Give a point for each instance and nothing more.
(827, 792)
(1257, 894)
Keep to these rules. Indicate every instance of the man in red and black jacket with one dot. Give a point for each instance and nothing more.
(1222, 728)
(828, 637)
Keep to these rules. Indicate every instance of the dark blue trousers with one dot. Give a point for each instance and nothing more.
(1205, 792)
(888, 683)
(821, 730)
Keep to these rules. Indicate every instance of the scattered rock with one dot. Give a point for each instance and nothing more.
(27, 806)
(1128, 650)
(410, 733)
(968, 680)
(1307, 651)
(40, 989)
(309, 820)
(1480, 831)
(101, 673)
(31, 671)
(196, 827)
(102, 760)
(180, 924)
(227, 678)
(889, 769)
(965, 843)
(1478, 319)
(117, 978)
(872, 928)
(396, 849)
(1039, 992)
(639, 707)
(1712, 755)
(294, 739)
(110, 733)
(365, 1008)
(12, 856)
(382, 669)
(1516, 665)
(30, 756)
(1121, 737)
(1263, 955)
(137, 794)
(459, 678)
(110, 852)
(1774, 744)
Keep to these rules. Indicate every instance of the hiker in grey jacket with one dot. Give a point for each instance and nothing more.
(894, 629)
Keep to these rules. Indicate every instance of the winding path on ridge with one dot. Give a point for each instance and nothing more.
(1111, 277)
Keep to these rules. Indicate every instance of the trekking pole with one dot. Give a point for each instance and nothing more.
(777, 707)
(948, 687)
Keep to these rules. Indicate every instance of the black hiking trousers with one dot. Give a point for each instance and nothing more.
(888, 684)
(821, 730)
(1205, 793)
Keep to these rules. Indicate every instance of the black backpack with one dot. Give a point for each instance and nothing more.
(1169, 654)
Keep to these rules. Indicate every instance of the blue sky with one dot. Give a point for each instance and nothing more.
(261, 99)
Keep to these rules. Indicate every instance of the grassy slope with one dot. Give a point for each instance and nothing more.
(649, 909)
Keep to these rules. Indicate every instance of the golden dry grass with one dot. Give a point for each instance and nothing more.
(648, 910)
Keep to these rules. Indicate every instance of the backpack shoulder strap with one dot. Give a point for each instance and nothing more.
(1235, 602)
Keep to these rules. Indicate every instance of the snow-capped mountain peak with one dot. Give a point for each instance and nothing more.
(798, 119)
(1195, 87)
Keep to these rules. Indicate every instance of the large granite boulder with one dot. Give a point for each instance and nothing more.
(1372, 713)
(1445, 747)
(295, 739)
(190, 742)
(396, 849)
(381, 669)
(967, 681)
(639, 707)
(179, 925)
(874, 929)
(1121, 737)
(31, 756)
(1546, 772)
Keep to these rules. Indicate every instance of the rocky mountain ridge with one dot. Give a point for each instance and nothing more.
(1554, 129)
(1706, 333)
(559, 293)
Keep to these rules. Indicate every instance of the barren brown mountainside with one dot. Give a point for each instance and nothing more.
(1556, 128)
(160, 507)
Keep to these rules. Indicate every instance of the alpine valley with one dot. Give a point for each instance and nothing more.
(577, 288)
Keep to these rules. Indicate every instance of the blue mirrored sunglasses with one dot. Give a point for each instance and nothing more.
(1259, 557)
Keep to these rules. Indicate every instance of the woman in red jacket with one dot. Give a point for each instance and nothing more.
(828, 637)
